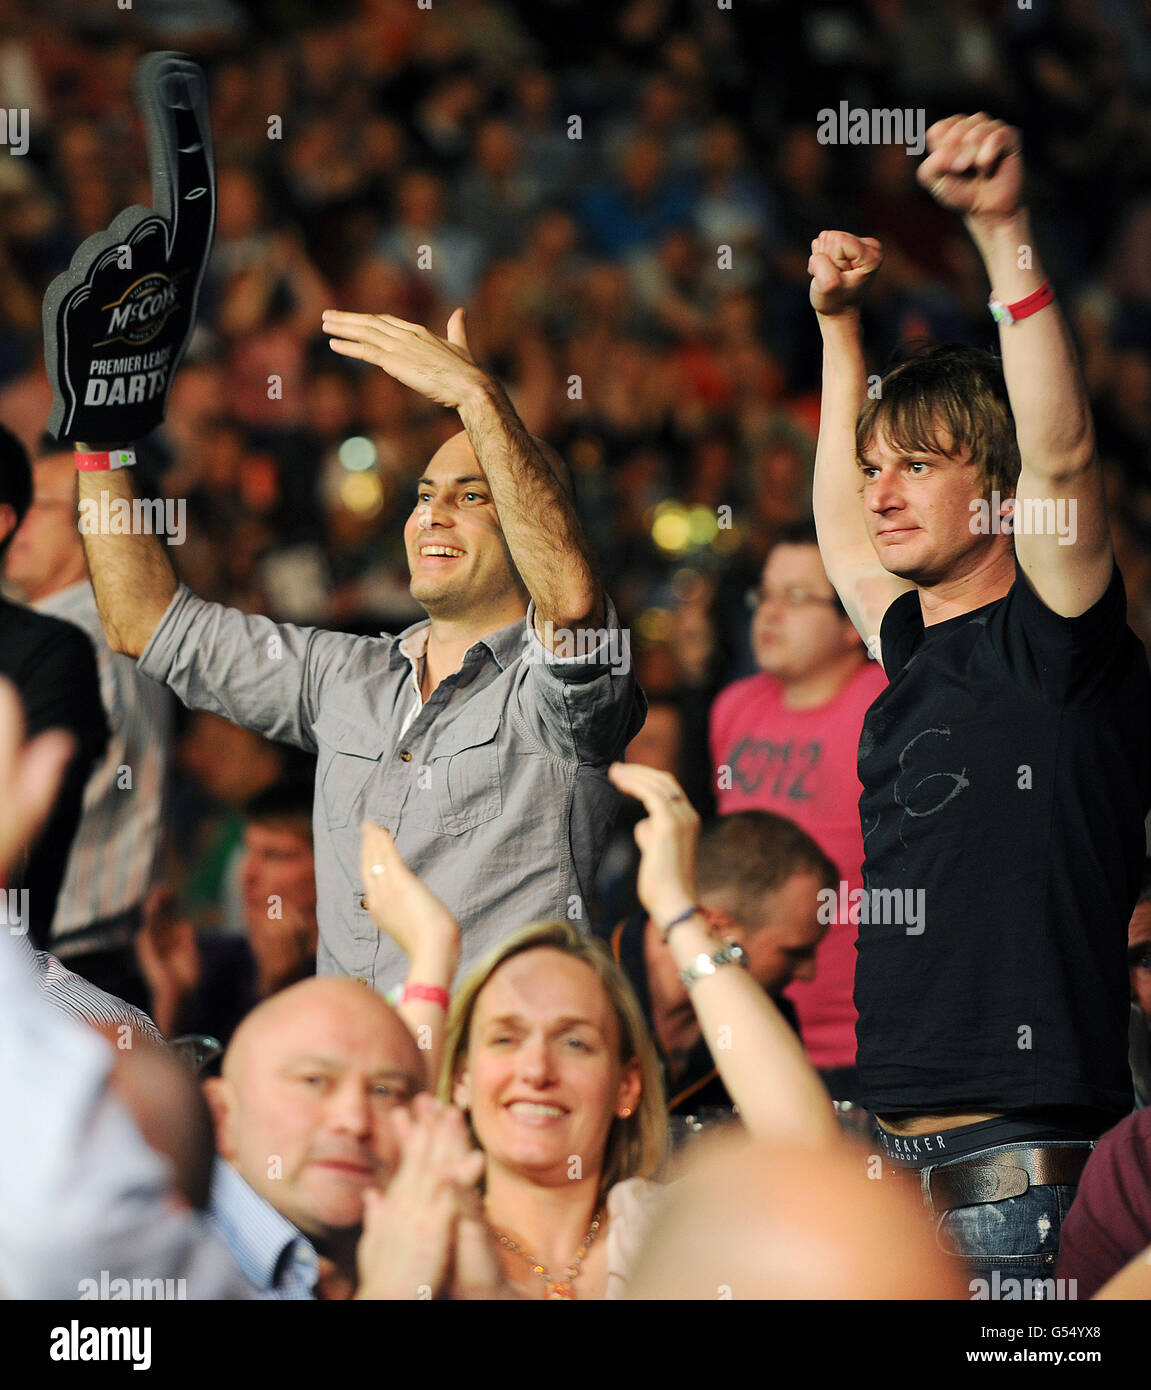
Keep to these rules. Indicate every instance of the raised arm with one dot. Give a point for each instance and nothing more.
(536, 514)
(416, 920)
(841, 266)
(974, 167)
(758, 1056)
(131, 573)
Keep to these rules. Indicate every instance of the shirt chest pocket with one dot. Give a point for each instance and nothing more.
(348, 752)
(458, 788)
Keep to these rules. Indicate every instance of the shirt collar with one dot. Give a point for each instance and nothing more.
(264, 1243)
(504, 644)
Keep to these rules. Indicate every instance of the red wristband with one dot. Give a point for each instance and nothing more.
(1022, 308)
(104, 460)
(430, 994)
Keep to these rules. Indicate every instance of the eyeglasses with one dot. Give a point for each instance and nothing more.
(197, 1051)
(793, 597)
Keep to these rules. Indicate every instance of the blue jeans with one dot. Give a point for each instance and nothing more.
(1007, 1249)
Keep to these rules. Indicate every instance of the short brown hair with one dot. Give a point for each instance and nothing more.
(636, 1146)
(946, 388)
(745, 856)
(284, 805)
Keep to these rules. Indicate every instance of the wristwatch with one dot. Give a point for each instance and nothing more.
(703, 965)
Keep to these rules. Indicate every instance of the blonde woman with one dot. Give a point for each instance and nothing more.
(546, 1051)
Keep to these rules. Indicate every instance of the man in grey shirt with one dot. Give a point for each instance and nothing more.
(481, 737)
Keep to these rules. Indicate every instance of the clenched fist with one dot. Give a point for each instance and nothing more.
(841, 266)
(974, 166)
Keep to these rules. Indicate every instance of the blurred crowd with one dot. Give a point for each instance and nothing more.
(625, 205)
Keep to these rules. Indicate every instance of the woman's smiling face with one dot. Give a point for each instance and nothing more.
(543, 1079)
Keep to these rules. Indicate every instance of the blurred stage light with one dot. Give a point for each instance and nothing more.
(362, 493)
(653, 625)
(357, 453)
(702, 525)
(671, 528)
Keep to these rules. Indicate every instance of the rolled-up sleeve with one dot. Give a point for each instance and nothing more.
(259, 674)
(582, 695)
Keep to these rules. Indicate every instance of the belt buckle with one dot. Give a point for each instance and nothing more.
(976, 1184)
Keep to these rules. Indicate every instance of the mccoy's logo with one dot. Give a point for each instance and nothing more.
(142, 310)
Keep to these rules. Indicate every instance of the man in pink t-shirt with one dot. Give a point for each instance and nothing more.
(786, 740)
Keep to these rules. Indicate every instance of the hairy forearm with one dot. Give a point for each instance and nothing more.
(1044, 382)
(132, 576)
(543, 532)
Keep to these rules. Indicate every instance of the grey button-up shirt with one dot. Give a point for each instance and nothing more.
(496, 792)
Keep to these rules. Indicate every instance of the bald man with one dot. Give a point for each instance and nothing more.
(112, 859)
(759, 1220)
(481, 737)
(304, 1114)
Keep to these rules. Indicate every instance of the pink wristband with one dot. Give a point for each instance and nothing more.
(430, 994)
(102, 461)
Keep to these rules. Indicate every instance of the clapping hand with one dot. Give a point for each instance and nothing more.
(424, 1235)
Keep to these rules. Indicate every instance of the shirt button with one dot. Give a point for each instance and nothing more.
(364, 904)
(405, 757)
(360, 980)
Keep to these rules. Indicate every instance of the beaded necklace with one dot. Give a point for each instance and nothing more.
(554, 1288)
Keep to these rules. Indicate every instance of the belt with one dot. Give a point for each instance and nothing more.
(973, 1181)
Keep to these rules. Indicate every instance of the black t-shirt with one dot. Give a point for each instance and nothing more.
(1006, 775)
(53, 665)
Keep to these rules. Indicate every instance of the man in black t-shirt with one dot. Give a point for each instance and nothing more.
(1007, 767)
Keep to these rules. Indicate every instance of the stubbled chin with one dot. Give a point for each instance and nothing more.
(433, 593)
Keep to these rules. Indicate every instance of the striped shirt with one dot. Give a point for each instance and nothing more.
(114, 852)
(72, 994)
(81, 1192)
(275, 1257)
